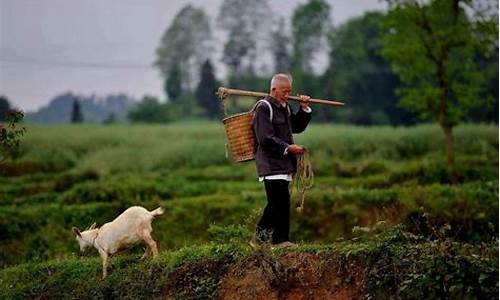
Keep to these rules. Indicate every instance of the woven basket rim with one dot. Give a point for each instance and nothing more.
(236, 116)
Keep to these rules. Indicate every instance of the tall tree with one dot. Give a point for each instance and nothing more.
(432, 47)
(247, 24)
(173, 84)
(358, 73)
(149, 110)
(185, 45)
(205, 93)
(310, 23)
(280, 47)
(76, 112)
(236, 50)
(4, 108)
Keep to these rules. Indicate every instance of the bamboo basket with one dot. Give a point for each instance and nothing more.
(240, 136)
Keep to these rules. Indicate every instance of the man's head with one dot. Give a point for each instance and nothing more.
(281, 87)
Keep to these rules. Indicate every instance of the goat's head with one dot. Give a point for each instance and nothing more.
(85, 239)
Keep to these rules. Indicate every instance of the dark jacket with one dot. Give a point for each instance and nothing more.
(272, 138)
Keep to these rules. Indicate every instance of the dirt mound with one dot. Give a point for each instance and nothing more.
(196, 280)
(292, 276)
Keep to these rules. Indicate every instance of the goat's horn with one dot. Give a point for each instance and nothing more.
(76, 231)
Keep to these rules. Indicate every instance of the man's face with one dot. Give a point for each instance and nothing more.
(282, 91)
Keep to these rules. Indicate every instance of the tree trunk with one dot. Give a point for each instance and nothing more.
(450, 153)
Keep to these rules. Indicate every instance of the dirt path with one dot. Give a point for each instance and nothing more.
(292, 276)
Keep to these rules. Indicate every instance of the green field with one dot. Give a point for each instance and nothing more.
(381, 198)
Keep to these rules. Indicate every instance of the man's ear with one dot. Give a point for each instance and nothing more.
(76, 231)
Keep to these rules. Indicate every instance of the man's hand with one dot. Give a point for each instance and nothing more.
(296, 149)
(304, 101)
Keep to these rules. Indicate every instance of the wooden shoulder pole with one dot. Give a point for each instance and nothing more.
(225, 92)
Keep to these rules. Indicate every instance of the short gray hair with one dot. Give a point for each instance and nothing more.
(280, 77)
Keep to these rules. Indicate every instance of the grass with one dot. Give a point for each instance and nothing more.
(366, 178)
(393, 263)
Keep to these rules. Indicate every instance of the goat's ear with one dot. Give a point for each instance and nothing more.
(76, 231)
(92, 226)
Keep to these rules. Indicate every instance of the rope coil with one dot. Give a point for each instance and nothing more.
(304, 178)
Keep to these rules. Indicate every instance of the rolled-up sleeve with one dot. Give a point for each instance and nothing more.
(300, 120)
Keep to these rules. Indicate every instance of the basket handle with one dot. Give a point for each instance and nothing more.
(268, 104)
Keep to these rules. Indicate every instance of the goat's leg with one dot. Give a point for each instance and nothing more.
(147, 252)
(151, 243)
(104, 258)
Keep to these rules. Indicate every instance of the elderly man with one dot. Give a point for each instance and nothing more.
(273, 125)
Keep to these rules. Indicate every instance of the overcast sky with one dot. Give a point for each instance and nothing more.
(48, 47)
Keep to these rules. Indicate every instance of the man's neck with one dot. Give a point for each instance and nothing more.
(281, 103)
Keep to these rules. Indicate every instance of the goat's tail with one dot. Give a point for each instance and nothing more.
(157, 212)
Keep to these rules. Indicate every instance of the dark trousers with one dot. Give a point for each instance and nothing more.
(276, 216)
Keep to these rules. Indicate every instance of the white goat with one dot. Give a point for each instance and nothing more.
(131, 226)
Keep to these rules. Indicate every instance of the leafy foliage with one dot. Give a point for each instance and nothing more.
(10, 135)
(149, 110)
(358, 72)
(432, 47)
(4, 108)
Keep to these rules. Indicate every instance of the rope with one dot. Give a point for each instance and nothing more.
(223, 102)
(222, 94)
(304, 178)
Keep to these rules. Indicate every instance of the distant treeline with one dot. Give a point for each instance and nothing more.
(359, 69)
(69, 107)
(363, 66)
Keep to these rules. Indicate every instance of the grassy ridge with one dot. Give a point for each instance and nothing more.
(391, 264)
(41, 231)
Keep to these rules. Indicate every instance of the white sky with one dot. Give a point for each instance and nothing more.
(101, 47)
